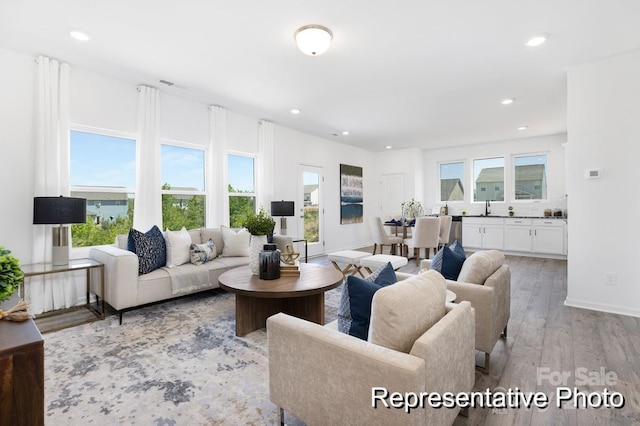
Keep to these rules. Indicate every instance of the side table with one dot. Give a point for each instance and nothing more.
(87, 265)
(21, 374)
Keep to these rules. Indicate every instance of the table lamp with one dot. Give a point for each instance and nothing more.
(282, 208)
(59, 211)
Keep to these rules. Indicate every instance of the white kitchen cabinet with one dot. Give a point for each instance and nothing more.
(483, 232)
(518, 234)
(548, 236)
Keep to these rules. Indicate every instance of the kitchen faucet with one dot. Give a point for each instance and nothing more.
(487, 209)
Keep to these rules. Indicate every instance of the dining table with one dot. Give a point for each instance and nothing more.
(403, 225)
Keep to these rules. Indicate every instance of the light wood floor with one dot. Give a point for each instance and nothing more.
(544, 336)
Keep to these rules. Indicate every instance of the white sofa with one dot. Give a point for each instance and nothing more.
(126, 290)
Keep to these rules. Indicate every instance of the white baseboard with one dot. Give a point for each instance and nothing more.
(612, 309)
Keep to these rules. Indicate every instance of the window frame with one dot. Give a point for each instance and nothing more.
(253, 194)
(505, 168)
(82, 252)
(205, 192)
(512, 192)
(463, 180)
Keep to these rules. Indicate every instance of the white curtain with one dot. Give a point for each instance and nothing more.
(265, 167)
(218, 205)
(148, 202)
(51, 178)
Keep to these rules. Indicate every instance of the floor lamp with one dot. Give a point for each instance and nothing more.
(282, 208)
(59, 211)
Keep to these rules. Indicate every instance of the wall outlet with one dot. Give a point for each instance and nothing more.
(610, 278)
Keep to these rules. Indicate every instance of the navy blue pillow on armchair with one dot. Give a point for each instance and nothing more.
(354, 312)
(449, 260)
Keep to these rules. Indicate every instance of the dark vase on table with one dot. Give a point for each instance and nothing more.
(270, 262)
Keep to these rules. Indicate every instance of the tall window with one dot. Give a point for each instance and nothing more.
(452, 181)
(488, 178)
(102, 170)
(183, 191)
(530, 177)
(242, 192)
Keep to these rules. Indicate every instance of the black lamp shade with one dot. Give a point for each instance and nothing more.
(59, 210)
(282, 208)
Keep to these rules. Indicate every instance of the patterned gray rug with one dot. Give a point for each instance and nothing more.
(175, 363)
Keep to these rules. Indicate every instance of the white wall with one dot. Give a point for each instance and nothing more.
(17, 134)
(556, 188)
(293, 148)
(603, 115)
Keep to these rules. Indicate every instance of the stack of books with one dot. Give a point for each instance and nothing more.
(289, 271)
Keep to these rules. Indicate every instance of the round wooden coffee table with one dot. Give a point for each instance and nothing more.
(257, 300)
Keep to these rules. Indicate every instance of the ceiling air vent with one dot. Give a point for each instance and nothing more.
(168, 83)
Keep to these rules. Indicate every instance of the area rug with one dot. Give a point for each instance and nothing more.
(175, 363)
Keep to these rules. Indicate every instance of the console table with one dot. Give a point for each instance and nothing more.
(21, 374)
(86, 265)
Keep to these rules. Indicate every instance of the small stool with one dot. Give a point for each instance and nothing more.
(351, 258)
(378, 260)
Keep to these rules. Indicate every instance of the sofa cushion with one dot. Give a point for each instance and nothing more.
(178, 244)
(150, 248)
(480, 265)
(202, 253)
(448, 262)
(401, 313)
(235, 243)
(195, 236)
(355, 302)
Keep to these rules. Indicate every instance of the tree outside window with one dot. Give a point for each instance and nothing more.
(241, 188)
(183, 188)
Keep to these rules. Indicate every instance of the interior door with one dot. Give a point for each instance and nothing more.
(311, 208)
(391, 195)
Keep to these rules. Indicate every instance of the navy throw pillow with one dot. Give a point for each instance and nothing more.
(448, 262)
(457, 248)
(151, 249)
(354, 312)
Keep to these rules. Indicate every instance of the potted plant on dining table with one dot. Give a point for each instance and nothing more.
(412, 209)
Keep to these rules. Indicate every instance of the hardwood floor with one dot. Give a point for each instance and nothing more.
(546, 339)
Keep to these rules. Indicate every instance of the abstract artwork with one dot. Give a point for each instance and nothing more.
(350, 194)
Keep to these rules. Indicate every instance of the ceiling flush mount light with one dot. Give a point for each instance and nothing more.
(536, 41)
(346, 133)
(507, 101)
(313, 40)
(388, 147)
(295, 111)
(522, 128)
(79, 35)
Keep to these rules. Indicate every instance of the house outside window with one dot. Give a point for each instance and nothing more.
(241, 188)
(452, 181)
(488, 179)
(102, 170)
(530, 177)
(183, 187)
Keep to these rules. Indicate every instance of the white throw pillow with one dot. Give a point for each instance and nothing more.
(235, 243)
(178, 244)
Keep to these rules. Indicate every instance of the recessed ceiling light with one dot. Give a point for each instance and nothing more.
(295, 111)
(346, 133)
(536, 41)
(79, 35)
(523, 128)
(388, 147)
(507, 101)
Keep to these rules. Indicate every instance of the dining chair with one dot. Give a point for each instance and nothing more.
(425, 236)
(445, 229)
(382, 238)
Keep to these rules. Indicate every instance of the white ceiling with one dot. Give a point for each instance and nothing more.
(410, 73)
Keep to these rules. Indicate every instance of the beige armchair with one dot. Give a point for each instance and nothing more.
(425, 236)
(382, 238)
(416, 344)
(485, 282)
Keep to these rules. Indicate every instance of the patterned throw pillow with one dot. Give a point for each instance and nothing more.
(202, 253)
(354, 311)
(150, 248)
